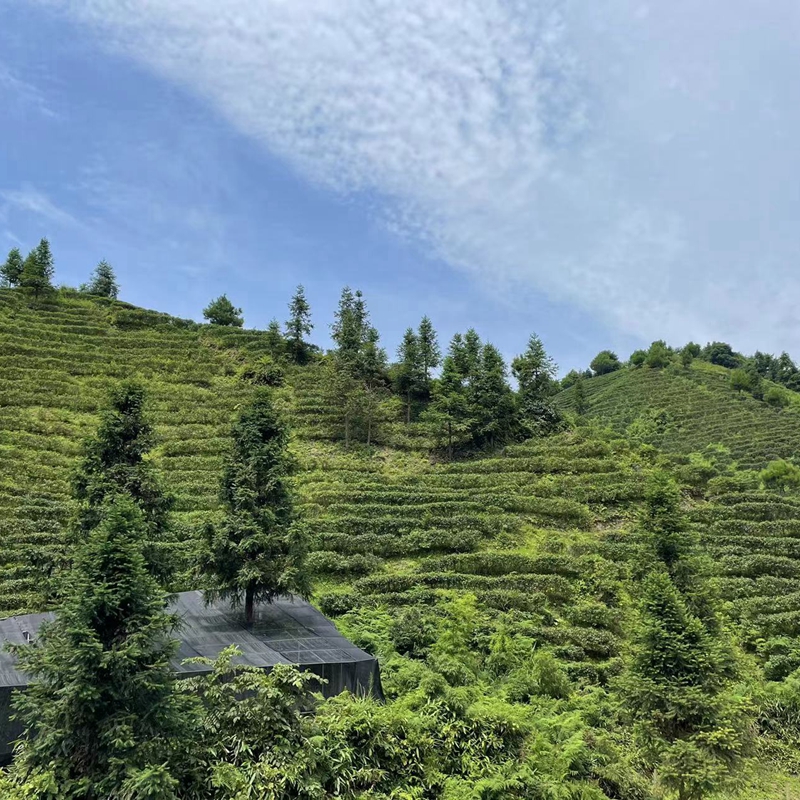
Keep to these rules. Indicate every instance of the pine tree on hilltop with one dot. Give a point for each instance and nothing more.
(256, 553)
(298, 326)
(429, 354)
(38, 270)
(102, 713)
(409, 372)
(103, 282)
(116, 462)
(11, 271)
(222, 312)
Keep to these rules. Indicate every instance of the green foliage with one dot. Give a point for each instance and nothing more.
(103, 282)
(658, 356)
(780, 475)
(409, 377)
(604, 362)
(11, 270)
(38, 270)
(298, 326)
(579, 396)
(722, 354)
(115, 462)
(102, 715)
(689, 721)
(263, 372)
(638, 358)
(258, 550)
(776, 397)
(430, 355)
(222, 312)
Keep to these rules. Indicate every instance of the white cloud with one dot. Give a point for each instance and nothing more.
(638, 160)
(31, 200)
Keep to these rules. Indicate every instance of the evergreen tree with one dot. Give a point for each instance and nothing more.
(115, 462)
(38, 270)
(276, 344)
(222, 312)
(448, 415)
(471, 355)
(298, 326)
(103, 282)
(492, 403)
(11, 271)
(351, 326)
(691, 725)
(429, 354)
(102, 715)
(409, 372)
(257, 552)
(535, 371)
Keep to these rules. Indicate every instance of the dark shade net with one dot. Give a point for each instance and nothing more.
(286, 631)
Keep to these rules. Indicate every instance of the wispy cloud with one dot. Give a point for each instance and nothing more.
(13, 86)
(637, 160)
(33, 201)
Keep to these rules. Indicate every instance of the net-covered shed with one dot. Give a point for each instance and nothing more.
(286, 631)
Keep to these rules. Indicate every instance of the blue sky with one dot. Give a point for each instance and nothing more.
(601, 174)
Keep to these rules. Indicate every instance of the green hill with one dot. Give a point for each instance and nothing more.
(463, 577)
(697, 407)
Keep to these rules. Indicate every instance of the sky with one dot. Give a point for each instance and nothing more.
(604, 174)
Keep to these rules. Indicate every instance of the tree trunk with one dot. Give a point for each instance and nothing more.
(449, 440)
(347, 430)
(369, 430)
(408, 407)
(249, 607)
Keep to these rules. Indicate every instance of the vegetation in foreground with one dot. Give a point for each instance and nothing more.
(561, 609)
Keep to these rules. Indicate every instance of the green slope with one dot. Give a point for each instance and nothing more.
(701, 409)
(542, 535)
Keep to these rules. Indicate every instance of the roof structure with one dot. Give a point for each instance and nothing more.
(287, 631)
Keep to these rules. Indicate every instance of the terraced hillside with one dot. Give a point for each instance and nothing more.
(55, 364)
(497, 559)
(699, 408)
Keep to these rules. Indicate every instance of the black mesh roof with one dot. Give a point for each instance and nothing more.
(286, 631)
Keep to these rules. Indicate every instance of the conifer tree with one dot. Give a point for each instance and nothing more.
(535, 371)
(256, 553)
(470, 356)
(115, 462)
(11, 271)
(275, 342)
(38, 270)
(492, 403)
(298, 326)
(222, 312)
(408, 377)
(448, 415)
(102, 714)
(689, 721)
(103, 282)
(429, 354)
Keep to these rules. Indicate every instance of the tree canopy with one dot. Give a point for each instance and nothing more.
(222, 312)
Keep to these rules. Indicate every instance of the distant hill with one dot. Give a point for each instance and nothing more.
(699, 408)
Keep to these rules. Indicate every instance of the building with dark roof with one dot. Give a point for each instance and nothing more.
(286, 631)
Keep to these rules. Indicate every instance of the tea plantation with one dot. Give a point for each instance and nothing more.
(499, 590)
(684, 410)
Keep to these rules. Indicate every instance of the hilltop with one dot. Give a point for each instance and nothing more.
(499, 588)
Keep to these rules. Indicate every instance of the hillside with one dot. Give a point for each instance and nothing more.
(699, 409)
(499, 591)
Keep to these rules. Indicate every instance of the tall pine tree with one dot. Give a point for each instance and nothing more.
(116, 462)
(298, 326)
(38, 270)
(11, 270)
(102, 715)
(429, 354)
(408, 373)
(103, 282)
(257, 552)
